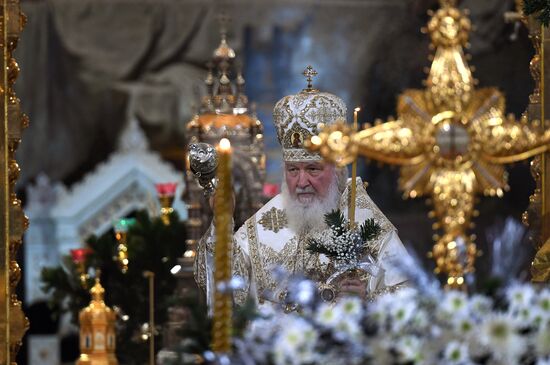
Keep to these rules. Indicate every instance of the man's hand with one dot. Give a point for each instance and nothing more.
(353, 287)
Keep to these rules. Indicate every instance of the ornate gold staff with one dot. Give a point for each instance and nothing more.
(223, 310)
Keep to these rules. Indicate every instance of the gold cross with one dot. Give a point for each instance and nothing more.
(451, 141)
(309, 73)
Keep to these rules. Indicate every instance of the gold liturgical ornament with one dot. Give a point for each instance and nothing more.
(97, 331)
(14, 324)
(450, 139)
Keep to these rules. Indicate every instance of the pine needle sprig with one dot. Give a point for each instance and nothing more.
(370, 230)
(539, 7)
(336, 221)
(314, 245)
(339, 242)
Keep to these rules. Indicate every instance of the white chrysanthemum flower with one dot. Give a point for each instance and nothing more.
(499, 334)
(347, 330)
(296, 342)
(529, 317)
(542, 341)
(456, 353)
(480, 305)
(464, 326)
(326, 315)
(454, 304)
(539, 317)
(409, 348)
(379, 314)
(381, 351)
(543, 301)
(350, 308)
(420, 320)
(520, 296)
(401, 313)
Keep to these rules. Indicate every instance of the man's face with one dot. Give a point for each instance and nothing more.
(308, 180)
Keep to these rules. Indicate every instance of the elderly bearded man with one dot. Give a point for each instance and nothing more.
(278, 233)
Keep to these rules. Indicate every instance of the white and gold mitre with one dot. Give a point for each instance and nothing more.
(297, 118)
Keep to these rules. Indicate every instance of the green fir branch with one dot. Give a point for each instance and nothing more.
(539, 7)
(314, 246)
(369, 230)
(336, 221)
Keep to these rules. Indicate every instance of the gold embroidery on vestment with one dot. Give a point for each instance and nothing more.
(274, 220)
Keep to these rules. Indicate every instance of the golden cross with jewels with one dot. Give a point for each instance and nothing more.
(451, 142)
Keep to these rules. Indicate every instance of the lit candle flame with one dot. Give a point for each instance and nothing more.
(225, 145)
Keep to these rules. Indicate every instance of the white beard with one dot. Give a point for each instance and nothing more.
(310, 217)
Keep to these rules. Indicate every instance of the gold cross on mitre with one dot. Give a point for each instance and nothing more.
(450, 140)
(309, 73)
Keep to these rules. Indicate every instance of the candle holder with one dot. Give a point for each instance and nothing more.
(79, 259)
(166, 193)
(121, 227)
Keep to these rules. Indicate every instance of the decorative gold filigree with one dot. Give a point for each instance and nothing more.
(540, 268)
(274, 220)
(12, 21)
(450, 139)
(536, 216)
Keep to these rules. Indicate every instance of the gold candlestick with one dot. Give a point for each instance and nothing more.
(79, 259)
(151, 278)
(221, 330)
(121, 233)
(353, 190)
(166, 193)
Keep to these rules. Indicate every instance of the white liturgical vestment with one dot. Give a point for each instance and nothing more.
(266, 241)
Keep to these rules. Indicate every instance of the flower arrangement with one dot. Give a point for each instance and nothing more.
(340, 242)
(418, 324)
(407, 327)
(350, 250)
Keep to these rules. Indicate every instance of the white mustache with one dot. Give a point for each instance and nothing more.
(307, 189)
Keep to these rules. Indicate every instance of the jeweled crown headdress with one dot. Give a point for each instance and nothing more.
(297, 118)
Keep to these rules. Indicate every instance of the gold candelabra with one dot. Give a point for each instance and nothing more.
(79, 259)
(223, 304)
(166, 193)
(450, 140)
(121, 234)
